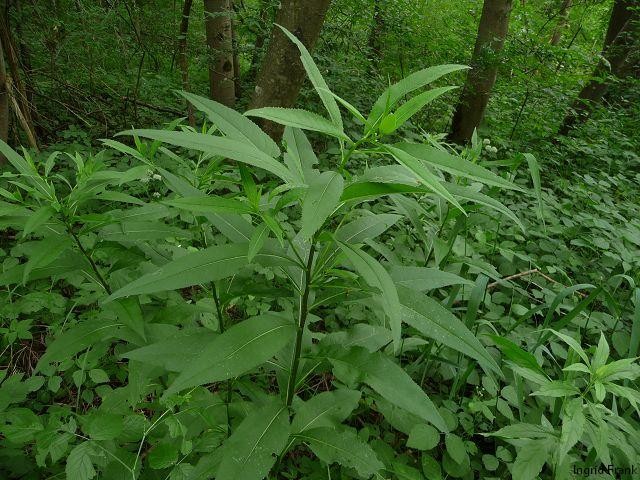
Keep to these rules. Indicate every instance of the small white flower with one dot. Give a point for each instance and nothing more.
(156, 194)
(488, 148)
(494, 150)
(486, 141)
(157, 177)
(144, 179)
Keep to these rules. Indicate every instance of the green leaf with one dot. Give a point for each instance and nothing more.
(534, 169)
(557, 388)
(531, 457)
(572, 427)
(455, 448)
(252, 449)
(79, 465)
(103, 426)
(516, 354)
(423, 437)
(366, 227)
(411, 107)
(129, 313)
(299, 157)
(320, 201)
(434, 321)
(395, 92)
(238, 350)
(296, 117)
(363, 191)
(39, 218)
(327, 409)
(390, 381)
(317, 80)
(257, 241)
(163, 455)
(46, 252)
(430, 467)
(225, 147)
(376, 276)
(422, 279)
(601, 355)
(233, 124)
(468, 193)
(454, 164)
(209, 204)
(428, 179)
(343, 447)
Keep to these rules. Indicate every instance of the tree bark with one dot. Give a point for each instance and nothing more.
(237, 81)
(377, 29)
(492, 31)
(182, 56)
(4, 103)
(620, 40)
(281, 75)
(261, 38)
(563, 17)
(220, 47)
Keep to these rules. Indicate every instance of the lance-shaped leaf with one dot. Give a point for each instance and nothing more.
(209, 204)
(238, 350)
(233, 124)
(397, 91)
(343, 447)
(366, 227)
(423, 174)
(454, 164)
(299, 157)
(364, 191)
(424, 278)
(252, 449)
(376, 276)
(225, 147)
(434, 321)
(210, 264)
(320, 201)
(328, 409)
(390, 381)
(313, 72)
(296, 117)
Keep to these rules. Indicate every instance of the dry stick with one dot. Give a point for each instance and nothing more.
(20, 115)
(524, 274)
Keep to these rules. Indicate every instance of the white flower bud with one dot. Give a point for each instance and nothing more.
(488, 148)
(156, 194)
(157, 177)
(494, 150)
(486, 141)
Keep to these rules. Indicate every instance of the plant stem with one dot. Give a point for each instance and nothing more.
(227, 401)
(101, 279)
(302, 318)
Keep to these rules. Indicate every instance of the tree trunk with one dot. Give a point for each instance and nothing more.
(492, 31)
(4, 103)
(563, 17)
(182, 56)
(281, 75)
(377, 29)
(619, 42)
(261, 38)
(220, 47)
(237, 83)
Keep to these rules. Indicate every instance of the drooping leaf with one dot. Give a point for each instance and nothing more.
(296, 117)
(366, 227)
(299, 157)
(320, 201)
(209, 204)
(424, 278)
(238, 350)
(343, 447)
(390, 381)
(434, 321)
(327, 409)
(531, 457)
(252, 449)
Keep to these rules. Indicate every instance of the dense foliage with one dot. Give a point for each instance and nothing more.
(361, 299)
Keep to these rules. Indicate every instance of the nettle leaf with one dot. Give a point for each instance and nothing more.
(376, 276)
(344, 447)
(79, 464)
(434, 321)
(252, 449)
(455, 164)
(45, 253)
(210, 264)
(317, 80)
(296, 117)
(234, 124)
(320, 201)
(327, 409)
(225, 147)
(424, 175)
(399, 90)
(422, 279)
(390, 381)
(366, 227)
(209, 204)
(532, 455)
(238, 350)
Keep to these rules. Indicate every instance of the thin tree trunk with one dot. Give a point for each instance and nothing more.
(220, 46)
(619, 42)
(492, 31)
(281, 75)
(563, 17)
(4, 103)
(182, 57)
(377, 29)
(237, 81)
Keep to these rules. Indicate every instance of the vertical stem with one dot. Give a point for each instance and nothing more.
(302, 318)
(227, 400)
(101, 279)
